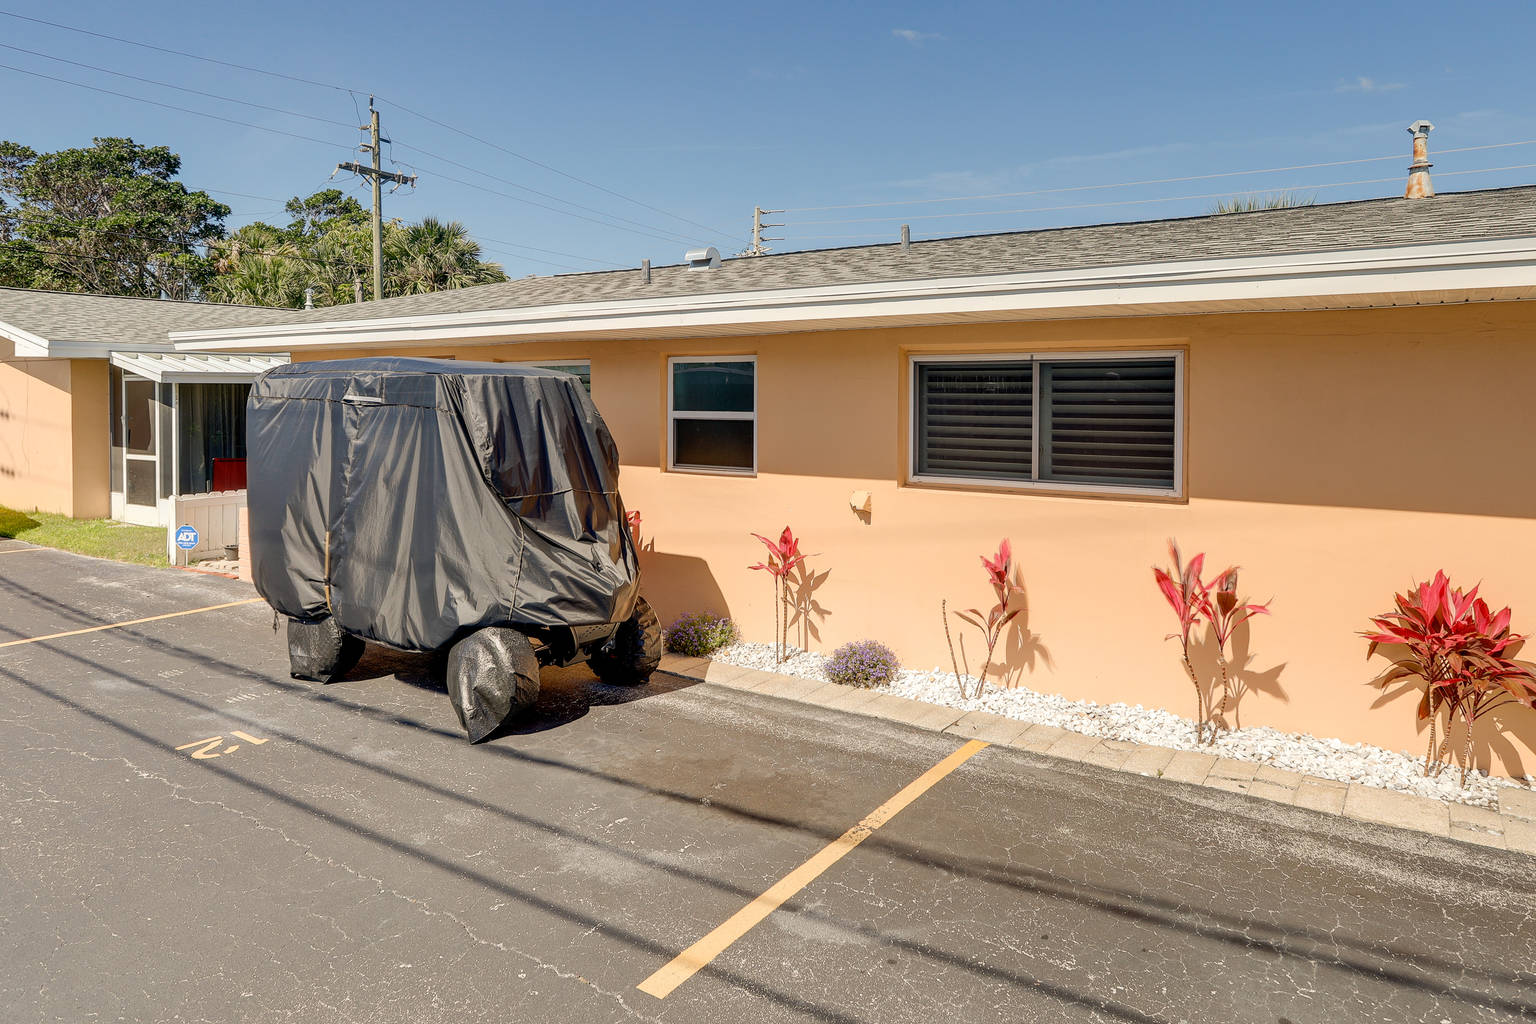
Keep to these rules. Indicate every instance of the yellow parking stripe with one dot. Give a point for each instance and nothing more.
(130, 622)
(688, 963)
(12, 551)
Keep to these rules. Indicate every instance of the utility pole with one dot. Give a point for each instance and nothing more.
(758, 248)
(376, 174)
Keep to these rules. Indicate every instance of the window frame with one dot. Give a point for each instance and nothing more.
(550, 364)
(673, 415)
(914, 360)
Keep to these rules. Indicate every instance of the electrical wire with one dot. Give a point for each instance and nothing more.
(550, 252)
(178, 88)
(675, 239)
(352, 92)
(178, 53)
(171, 106)
(555, 170)
(1139, 202)
(1147, 181)
(545, 195)
(209, 244)
(566, 213)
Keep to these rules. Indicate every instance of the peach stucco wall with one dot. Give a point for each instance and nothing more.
(53, 436)
(1336, 456)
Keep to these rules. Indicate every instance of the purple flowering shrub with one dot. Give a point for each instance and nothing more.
(699, 634)
(862, 663)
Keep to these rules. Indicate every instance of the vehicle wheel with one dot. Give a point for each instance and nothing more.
(493, 674)
(633, 653)
(320, 651)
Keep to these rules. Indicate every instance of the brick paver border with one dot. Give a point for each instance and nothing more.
(1511, 827)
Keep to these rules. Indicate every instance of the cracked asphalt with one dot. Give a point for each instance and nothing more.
(353, 859)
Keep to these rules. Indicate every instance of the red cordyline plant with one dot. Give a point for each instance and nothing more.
(1461, 651)
(1190, 599)
(783, 556)
(994, 623)
(1216, 602)
(1227, 612)
(633, 519)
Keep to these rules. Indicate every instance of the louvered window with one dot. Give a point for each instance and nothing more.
(1058, 423)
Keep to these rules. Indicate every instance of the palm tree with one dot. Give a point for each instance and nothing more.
(434, 256)
(1252, 204)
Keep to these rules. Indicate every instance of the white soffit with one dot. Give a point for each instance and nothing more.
(189, 368)
(1400, 275)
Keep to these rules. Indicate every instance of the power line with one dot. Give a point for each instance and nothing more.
(178, 88)
(178, 53)
(353, 93)
(546, 195)
(555, 170)
(550, 252)
(535, 259)
(1147, 181)
(330, 144)
(171, 106)
(1139, 202)
(565, 213)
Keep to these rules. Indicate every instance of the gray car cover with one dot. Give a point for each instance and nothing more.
(416, 500)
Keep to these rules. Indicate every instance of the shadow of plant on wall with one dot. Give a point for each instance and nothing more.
(805, 610)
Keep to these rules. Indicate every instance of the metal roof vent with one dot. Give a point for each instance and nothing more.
(703, 259)
(1418, 171)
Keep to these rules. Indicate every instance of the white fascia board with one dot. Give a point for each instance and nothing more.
(1232, 282)
(24, 344)
(100, 349)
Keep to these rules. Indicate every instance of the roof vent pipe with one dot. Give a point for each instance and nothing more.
(906, 236)
(645, 271)
(309, 298)
(1419, 186)
(703, 259)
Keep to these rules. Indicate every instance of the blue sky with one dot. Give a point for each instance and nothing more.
(698, 112)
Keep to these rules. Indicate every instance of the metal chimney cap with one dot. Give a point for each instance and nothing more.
(1421, 128)
(703, 259)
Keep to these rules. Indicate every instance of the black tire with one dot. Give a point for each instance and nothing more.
(493, 675)
(318, 650)
(633, 653)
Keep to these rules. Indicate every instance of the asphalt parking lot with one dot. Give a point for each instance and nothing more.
(190, 835)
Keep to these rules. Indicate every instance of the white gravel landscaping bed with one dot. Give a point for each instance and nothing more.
(1297, 752)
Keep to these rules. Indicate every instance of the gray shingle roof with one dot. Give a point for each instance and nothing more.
(120, 320)
(1452, 217)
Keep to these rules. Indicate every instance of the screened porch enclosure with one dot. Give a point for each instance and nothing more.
(178, 441)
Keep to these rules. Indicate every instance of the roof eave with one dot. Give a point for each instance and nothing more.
(1397, 275)
(24, 344)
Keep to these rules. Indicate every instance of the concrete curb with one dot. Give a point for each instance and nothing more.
(1512, 827)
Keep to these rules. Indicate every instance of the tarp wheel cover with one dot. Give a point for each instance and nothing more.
(635, 651)
(493, 675)
(319, 650)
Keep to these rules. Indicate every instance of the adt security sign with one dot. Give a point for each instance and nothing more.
(186, 537)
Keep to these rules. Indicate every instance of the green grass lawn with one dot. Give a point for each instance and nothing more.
(104, 538)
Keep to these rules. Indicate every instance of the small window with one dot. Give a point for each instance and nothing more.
(581, 368)
(1052, 422)
(712, 414)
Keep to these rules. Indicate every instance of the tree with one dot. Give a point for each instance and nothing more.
(109, 219)
(327, 250)
(1252, 204)
(434, 256)
(323, 211)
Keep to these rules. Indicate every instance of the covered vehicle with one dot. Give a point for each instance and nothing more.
(428, 504)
